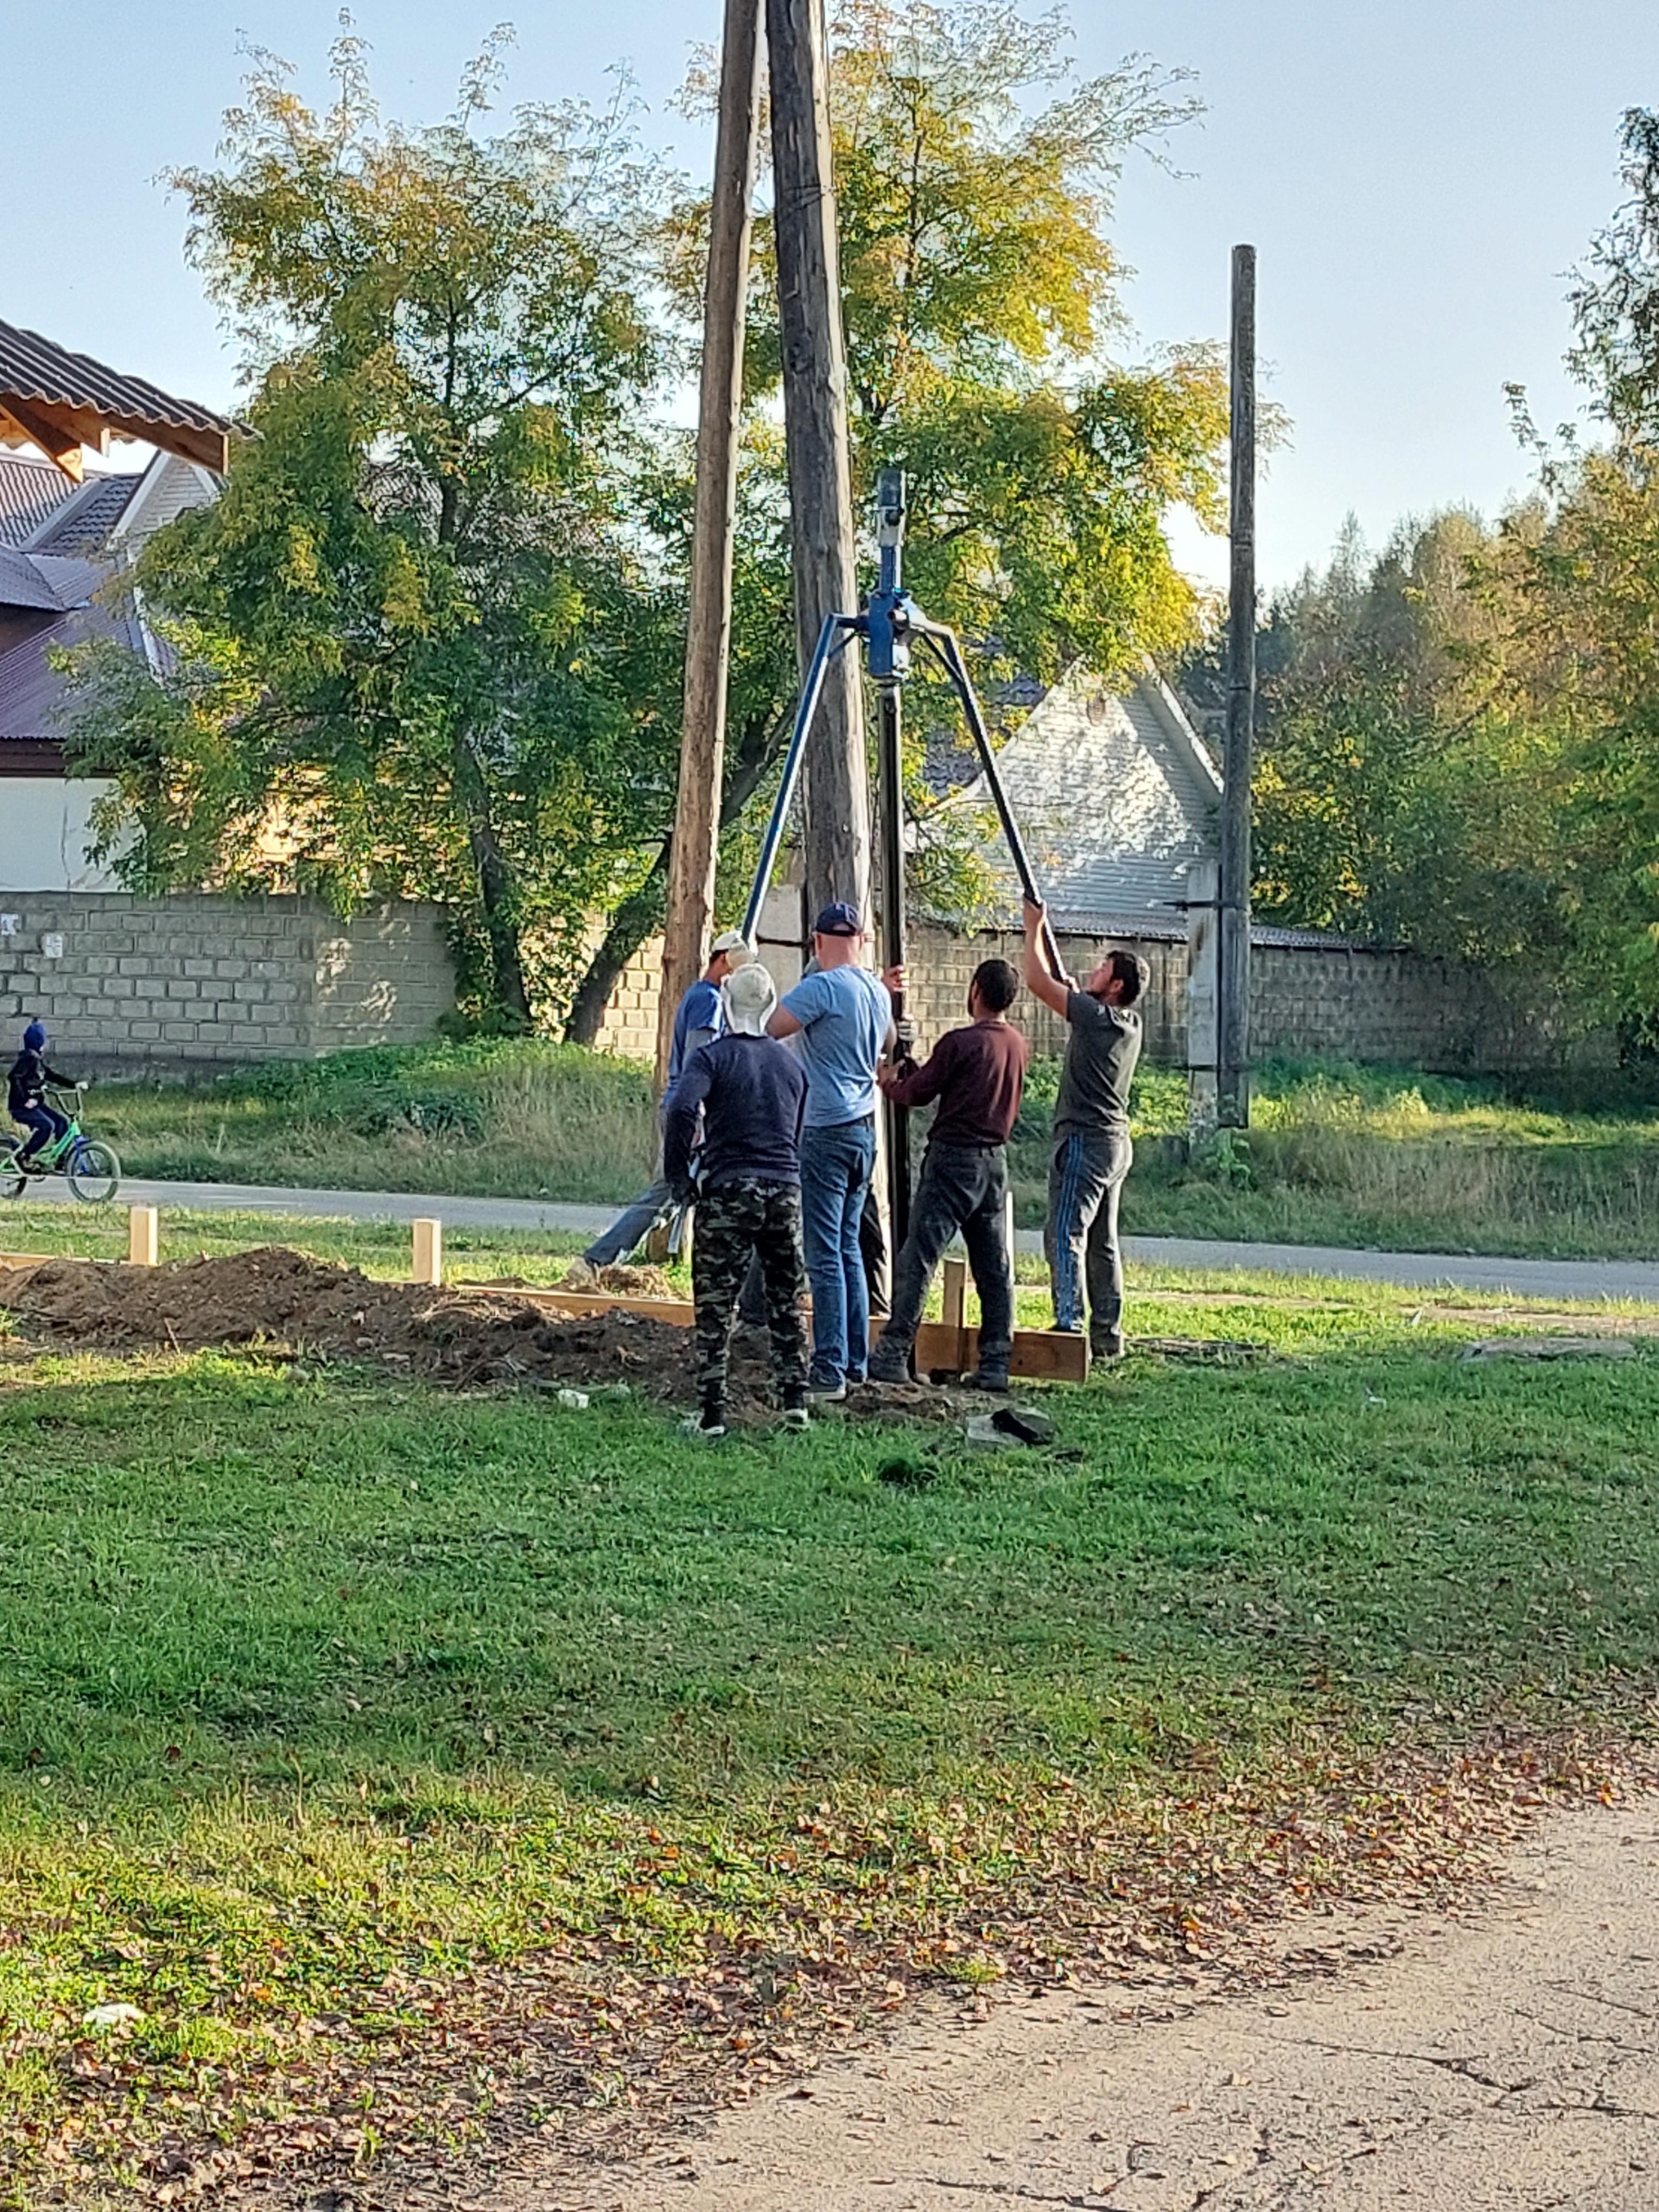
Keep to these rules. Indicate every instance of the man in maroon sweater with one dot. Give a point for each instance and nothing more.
(977, 1075)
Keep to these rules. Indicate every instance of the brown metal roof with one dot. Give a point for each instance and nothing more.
(46, 580)
(33, 694)
(61, 401)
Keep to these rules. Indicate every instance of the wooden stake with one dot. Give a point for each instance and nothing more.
(144, 1236)
(428, 1252)
(1233, 1054)
(837, 794)
(708, 629)
(953, 1315)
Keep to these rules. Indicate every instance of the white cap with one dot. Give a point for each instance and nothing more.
(734, 945)
(750, 995)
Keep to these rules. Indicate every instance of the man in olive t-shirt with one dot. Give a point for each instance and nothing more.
(1092, 1151)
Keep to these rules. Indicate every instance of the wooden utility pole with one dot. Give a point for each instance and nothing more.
(1233, 1040)
(709, 628)
(837, 794)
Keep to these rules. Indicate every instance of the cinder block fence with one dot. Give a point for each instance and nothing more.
(197, 978)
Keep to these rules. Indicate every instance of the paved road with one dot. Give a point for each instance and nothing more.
(1507, 2062)
(1421, 1270)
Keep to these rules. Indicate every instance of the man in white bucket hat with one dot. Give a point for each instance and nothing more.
(750, 1093)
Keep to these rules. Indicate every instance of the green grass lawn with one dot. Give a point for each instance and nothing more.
(326, 1699)
(1337, 1154)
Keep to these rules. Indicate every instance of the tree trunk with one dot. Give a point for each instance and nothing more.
(508, 987)
(508, 993)
(640, 913)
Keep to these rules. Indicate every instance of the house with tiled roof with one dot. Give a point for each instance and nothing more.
(64, 547)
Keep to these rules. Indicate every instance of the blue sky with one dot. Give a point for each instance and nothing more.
(1418, 177)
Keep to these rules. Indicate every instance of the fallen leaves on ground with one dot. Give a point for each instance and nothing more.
(414, 2092)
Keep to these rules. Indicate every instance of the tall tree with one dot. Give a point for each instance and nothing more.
(1615, 301)
(420, 647)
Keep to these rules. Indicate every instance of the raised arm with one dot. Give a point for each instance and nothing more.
(1052, 991)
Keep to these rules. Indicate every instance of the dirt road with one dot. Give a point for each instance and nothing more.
(1509, 2059)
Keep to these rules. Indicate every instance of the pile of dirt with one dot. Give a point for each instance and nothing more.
(279, 1298)
(276, 1296)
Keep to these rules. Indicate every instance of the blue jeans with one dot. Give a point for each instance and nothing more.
(630, 1228)
(46, 1125)
(836, 1164)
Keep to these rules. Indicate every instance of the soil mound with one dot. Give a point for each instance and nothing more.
(276, 1297)
(279, 1297)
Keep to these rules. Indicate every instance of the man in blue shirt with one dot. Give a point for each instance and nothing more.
(843, 1016)
(700, 1018)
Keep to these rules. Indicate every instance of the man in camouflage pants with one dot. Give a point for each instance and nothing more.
(751, 1093)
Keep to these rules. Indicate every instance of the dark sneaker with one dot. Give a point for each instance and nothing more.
(826, 1392)
(988, 1378)
(795, 1412)
(891, 1367)
(1107, 1348)
(710, 1424)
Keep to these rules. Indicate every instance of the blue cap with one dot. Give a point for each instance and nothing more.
(838, 918)
(34, 1037)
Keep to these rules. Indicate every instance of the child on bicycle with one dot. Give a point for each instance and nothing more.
(25, 1102)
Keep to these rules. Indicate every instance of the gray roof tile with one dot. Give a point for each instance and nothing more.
(31, 492)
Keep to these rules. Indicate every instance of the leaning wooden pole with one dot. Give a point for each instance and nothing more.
(837, 795)
(695, 841)
(1233, 1041)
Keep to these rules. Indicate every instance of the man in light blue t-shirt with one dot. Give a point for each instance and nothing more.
(843, 1016)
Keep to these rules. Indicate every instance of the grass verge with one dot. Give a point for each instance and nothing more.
(418, 1766)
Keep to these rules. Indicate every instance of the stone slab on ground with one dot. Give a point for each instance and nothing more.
(1591, 1278)
(1506, 2061)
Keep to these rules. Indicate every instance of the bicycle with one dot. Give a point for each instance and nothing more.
(87, 1164)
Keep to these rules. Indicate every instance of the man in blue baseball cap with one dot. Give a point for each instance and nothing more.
(844, 1017)
(25, 1100)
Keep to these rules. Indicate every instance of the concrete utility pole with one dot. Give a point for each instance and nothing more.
(709, 628)
(1233, 1038)
(837, 795)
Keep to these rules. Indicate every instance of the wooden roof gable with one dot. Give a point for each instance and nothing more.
(61, 401)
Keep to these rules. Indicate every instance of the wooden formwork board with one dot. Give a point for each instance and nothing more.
(948, 1346)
